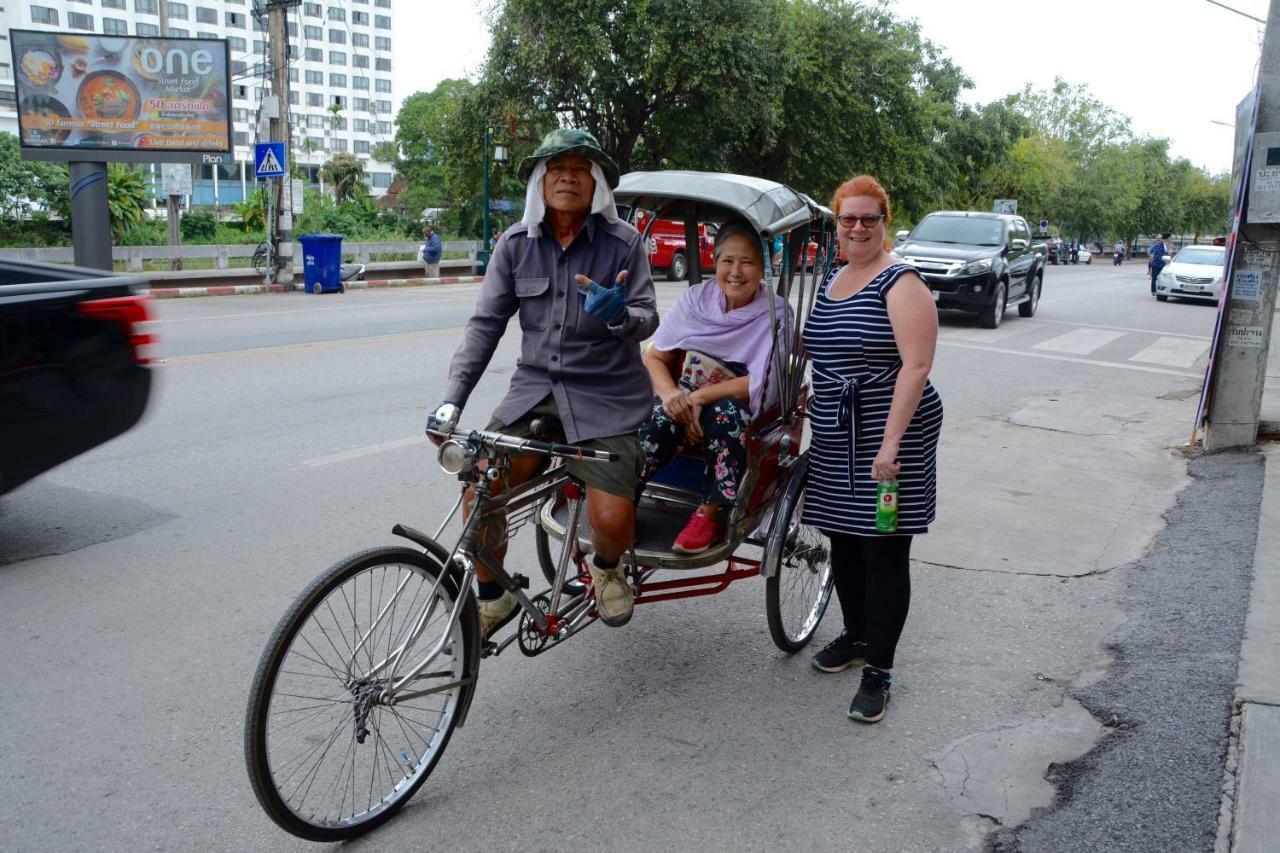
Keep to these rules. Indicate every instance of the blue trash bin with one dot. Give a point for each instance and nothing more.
(321, 262)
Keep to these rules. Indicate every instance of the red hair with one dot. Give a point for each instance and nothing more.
(868, 186)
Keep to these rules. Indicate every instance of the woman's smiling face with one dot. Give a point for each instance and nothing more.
(738, 270)
(860, 243)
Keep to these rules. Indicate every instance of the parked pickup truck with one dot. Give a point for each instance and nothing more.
(982, 263)
(73, 364)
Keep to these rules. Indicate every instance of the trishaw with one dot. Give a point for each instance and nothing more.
(375, 664)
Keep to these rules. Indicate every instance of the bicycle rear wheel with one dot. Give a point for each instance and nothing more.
(328, 755)
(798, 563)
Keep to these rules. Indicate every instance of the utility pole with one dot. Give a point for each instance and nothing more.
(1235, 402)
(278, 48)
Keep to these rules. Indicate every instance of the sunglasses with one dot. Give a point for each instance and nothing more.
(868, 221)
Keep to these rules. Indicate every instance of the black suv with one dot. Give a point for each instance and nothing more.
(982, 263)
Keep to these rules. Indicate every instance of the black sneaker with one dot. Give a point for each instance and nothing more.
(872, 699)
(840, 654)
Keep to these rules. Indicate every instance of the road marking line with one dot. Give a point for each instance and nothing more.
(990, 336)
(1129, 286)
(1120, 329)
(317, 309)
(364, 451)
(1080, 341)
(232, 355)
(1175, 352)
(1092, 362)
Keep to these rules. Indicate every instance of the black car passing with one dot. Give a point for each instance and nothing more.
(982, 263)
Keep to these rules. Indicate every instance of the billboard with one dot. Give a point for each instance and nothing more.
(121, 98)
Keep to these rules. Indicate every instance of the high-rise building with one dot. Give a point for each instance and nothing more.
(341, 93)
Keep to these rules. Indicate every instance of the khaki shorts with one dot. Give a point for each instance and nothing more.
(621, 478)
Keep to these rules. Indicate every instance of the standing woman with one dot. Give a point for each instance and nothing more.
(875, 417)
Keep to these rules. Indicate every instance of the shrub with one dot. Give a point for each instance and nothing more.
(199, 224)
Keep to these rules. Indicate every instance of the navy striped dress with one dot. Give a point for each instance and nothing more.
(852, 346)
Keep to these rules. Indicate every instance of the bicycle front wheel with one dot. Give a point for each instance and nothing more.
(330, 754)
(262, 258)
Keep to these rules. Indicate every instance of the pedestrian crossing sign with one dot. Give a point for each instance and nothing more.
(268, 159)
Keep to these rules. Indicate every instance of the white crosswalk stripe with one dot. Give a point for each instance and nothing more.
(1177, 352)
(990, 336)
(1080, 341)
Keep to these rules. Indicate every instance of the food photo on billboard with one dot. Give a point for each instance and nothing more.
(121, 98)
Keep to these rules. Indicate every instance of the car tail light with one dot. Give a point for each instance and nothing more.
(129, 312)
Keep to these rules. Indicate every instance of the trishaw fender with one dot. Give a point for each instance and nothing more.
(470, 614)
(782, 515)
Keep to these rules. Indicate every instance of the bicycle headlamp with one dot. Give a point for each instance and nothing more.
(453, 457)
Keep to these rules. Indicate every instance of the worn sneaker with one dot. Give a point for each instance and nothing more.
(699, 534)
(614, 598)
(840, 654)
(872, 699)
(496, 612)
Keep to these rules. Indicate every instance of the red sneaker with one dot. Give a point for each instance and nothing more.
(698, 535)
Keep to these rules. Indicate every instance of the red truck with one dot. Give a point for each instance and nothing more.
(667, 251)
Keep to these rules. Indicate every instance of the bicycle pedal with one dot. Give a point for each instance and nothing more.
(520, 581)
(488, 649)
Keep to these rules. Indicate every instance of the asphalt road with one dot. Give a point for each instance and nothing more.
(138, 584)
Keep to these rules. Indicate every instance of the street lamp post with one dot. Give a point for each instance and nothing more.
(499, 154)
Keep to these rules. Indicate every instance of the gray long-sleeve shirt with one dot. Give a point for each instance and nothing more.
(593, 370)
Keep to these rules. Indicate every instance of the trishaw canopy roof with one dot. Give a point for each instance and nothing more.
(770, 207)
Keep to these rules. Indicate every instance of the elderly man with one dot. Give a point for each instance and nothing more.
(579, 279)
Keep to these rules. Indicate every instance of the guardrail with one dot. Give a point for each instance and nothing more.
(134, 256)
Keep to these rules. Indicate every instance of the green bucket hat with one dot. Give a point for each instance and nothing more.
(570, 141)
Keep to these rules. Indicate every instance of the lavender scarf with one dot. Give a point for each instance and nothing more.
(699, 322)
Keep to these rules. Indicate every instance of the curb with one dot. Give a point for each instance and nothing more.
(251, 289)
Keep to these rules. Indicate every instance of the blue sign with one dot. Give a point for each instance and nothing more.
(268, 159)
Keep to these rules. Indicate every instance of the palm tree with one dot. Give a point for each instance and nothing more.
(126, 198)
(345, 173)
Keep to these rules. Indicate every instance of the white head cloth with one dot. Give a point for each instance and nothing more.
(535, 206)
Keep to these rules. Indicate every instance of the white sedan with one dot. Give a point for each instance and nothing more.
(1194, 273)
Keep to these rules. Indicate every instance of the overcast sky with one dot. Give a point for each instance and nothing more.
(1175, 67)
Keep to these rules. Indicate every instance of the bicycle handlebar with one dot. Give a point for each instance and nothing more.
(528, 445)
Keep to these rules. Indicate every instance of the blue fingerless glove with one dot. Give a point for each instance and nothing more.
(607, 303)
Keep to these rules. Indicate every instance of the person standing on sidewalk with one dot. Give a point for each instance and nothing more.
(431, 251)
(1159, 254)
(875, 417)
(579, 279)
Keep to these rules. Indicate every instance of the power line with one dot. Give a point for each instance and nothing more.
(1237, 11)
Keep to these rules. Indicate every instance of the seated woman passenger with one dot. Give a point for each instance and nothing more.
(718, 338)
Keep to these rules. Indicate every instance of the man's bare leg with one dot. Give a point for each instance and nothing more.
(613, 528)
(496, 605)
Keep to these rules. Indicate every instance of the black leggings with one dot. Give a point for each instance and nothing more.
(873, 583)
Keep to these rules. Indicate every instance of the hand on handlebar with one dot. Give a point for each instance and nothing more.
(443, 419)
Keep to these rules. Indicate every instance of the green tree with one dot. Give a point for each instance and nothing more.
(126, 197)
(253, 210)
(1070, 113)
(975, 142)
(1206, 202)
(29, 186)
(345, 173)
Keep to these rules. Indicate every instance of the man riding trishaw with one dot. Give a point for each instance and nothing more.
(579, 279)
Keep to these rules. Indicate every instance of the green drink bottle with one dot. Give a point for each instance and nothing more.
(887, 506)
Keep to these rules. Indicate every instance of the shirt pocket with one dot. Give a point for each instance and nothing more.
(535, 303)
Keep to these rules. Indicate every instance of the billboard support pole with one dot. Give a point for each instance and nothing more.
(278, 41)
(173, 203)
(90, 217)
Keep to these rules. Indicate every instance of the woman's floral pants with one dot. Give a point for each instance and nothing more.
(724, 446)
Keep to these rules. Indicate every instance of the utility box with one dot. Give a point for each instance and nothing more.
(1264, 180)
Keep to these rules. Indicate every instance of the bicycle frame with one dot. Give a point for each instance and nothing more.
(509, 508)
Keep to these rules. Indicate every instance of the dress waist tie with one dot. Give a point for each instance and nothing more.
(849, 408)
